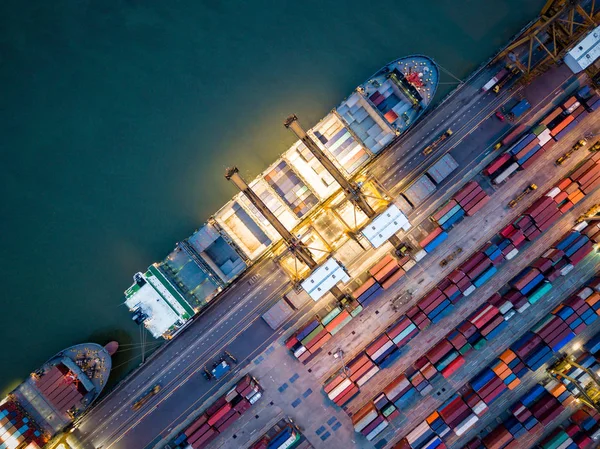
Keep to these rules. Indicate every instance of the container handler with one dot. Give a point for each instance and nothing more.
(528, 189)
(590, 392)
(579, 144)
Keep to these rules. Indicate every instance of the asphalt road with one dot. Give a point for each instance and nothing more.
(235, 323)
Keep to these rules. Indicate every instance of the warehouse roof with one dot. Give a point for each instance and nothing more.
(385, 225)
(584, 53)
(324, 279)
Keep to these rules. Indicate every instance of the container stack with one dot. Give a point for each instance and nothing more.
(435, 305)
(311, 337)
(341, 388)
(386, 272)
(221, 414)
(402, 331)
(471, 198)
(380, 349)
(400, 392)
(589, 99)
(369, 422)
(434, 239)
(367, 292)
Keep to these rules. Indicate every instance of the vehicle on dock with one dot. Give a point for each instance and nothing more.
(530, 188)
(146, 397)
(495, 83)
(220, 369)
(500, 116)
(578, 145)
(433, 145)
(519, 109)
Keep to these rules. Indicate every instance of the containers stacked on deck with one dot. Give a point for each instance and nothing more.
(588, 98)
(17, 429)
(369, 422)
(221, 414)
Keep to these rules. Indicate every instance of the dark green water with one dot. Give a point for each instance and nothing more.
(117, 119)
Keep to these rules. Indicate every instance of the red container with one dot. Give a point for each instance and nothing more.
(436, 353)
(468, 205)
(432, 235)
(493, 324)
(539, 206)
(582, 169)
(469, 197)
(444, 210)
(453, 366)
(466, 190)
(475, 260)
(430, 298)
(477, 207)
(377, 344)
(579, 255)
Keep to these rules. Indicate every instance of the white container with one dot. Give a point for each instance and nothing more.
(504, 308)
(368, 419)
(480, 408)
(420, 255)
(341, 387)
(580, 226)
(417, 432)
(464, 426)
(377, 430)
(552, 193)
(512, 254)
(301, 350)
(367, 376)
(585, 293)
(469, 290)
(566, 270)
(408, 265)
(523, 307)
(506, 173)
(509, 315)
(381, 350)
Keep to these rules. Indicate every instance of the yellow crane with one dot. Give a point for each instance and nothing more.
(590, 215)
(590, 392)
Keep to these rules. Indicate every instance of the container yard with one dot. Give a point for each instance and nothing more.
(390, 302)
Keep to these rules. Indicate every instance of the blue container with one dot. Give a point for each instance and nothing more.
(561, 344)
(449, 214)
(394, 356)
(520, 108)
(180, 439)
(566, 242)
(584, 92)
(372, 289)
(444, 313)
(454, 219)
(533, 395)
(436, 442)
(473, 338)
(570, 127)
(530, 423)
(593, 344)
(582, 240)
(496, 254)
(504, 244)
(479, 381)
(497, 331)
(530, 153)
(540, 362)
(307, 330)
(565, 312)
(371, 298)
(510, 378)
(404, 400)
(436, 242)
(485, 276)
(493, 248)
(576, 323)
(591, 318)
(455, 297)
(532, 284)
(525, 140)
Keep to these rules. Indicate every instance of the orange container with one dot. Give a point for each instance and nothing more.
(379, 265)
(514, 384)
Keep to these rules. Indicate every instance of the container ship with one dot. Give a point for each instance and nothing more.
(54, 395)
(385, 106)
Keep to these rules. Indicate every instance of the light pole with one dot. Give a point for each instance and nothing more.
(340, 354)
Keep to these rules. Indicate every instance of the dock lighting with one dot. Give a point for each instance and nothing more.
(577, 346)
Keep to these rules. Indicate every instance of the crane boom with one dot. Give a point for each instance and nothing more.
(353, 192)
(232, 174)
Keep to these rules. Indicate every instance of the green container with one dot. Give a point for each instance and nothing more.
(356, 311)
(539, 292)
(542, 324)
(446, 360)
(556, 441)
(388, 410)
(312, 335)
(480, 344)
(466, 348)
(539, 129)
(339, 327)
(330, 316)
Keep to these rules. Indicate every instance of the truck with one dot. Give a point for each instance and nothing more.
(519, 109)
(494, 83)
(432, 146)
(146, 397)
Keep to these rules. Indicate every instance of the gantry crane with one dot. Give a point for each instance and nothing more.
(554, 32)
(352, 190)
(590, 392)
(591, 214)
(294, 244)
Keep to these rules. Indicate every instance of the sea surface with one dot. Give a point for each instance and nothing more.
(118, 118)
